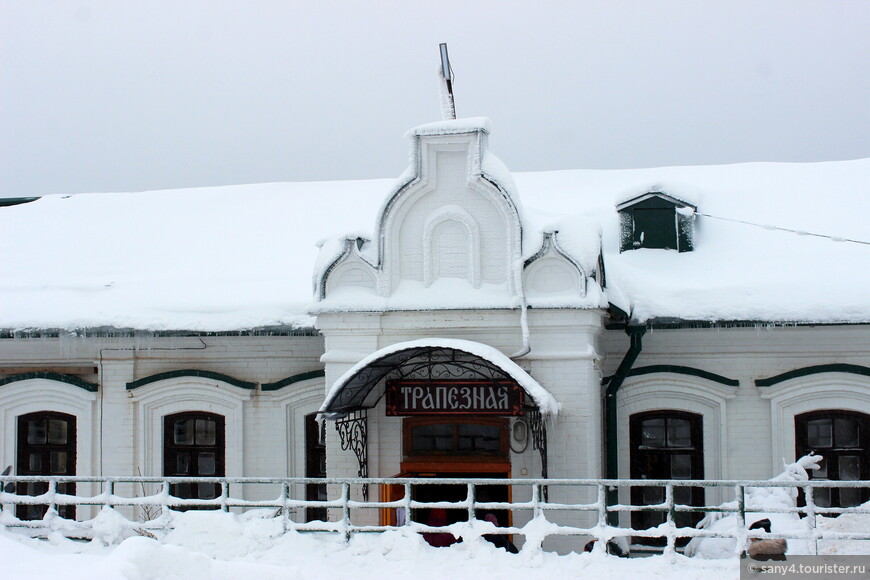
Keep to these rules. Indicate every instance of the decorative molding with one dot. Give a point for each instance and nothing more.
(805, 393)
(550, 243)
(191, 373)
(184, 393)
(651, 393)
(293, 379)
(682, 370)
(42, 394)
(814, 370)
(51, 376)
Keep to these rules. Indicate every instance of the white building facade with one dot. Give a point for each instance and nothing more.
(465, 337)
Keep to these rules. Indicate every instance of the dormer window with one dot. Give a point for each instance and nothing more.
(658, 221)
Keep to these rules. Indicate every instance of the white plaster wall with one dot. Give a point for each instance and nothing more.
(120, 430)
(754, 414)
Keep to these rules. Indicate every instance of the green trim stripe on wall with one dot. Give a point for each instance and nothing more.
(59, 377)
(293, 379)
(679, 370)
(191, 373)
(814, 370)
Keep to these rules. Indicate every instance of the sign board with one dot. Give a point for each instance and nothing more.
(422, 397)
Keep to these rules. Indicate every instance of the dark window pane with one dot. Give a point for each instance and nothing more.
(36, 432)
(57, 432)
(182, 464)
(485, 438)
(846, 432)
(58, 462)
(208, 490)
(822, 496)
(35, 462)
(34, 512)
(681, 466)
(851, 496)
(206, 432)
(820, 433)
(679, 433)
(206, 464)
(683, 495)
(653, 433)
(183, 432)
(433, 437)
(821, 472)
(181, 490)
(850, 468)
(35, 488)
(652, 495)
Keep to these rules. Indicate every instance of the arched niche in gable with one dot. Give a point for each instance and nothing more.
(551, 276)
(552, 273)
(353, 274)
(451, 246)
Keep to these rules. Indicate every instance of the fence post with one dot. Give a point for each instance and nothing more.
(51, 514)
(537, 498)
(407, 501)
(740, 492)
(669, 519)
(164, 494)
(345, 510)
(471, 497)
(813, 540)
(225, 492)
(285, 509)
(110, 493)
(602, 505)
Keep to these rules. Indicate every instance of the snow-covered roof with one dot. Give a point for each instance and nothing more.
(241, 257)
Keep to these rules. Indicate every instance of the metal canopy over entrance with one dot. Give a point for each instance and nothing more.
(432, 361)
(433, 368)
(429, 364)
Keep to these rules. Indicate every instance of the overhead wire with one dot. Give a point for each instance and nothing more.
(781, 229)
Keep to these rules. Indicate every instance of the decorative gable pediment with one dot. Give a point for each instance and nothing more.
(451, 227)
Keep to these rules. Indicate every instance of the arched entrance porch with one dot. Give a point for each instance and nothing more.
(450, 409)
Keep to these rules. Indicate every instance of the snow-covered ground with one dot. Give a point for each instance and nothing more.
(218, 545)
(212, 545)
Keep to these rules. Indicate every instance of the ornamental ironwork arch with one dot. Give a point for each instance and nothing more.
(420, 363)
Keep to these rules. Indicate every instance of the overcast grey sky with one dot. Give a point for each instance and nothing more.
(129, 95)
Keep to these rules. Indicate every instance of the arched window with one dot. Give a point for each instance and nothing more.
(666, 445)
(46, 446)
(194, 446)
(843, 439)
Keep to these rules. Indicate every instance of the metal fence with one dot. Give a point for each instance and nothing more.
(534, 511)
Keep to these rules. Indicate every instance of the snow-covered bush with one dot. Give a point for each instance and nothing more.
(758, 500)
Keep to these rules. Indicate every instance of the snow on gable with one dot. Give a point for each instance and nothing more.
(447, 236)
